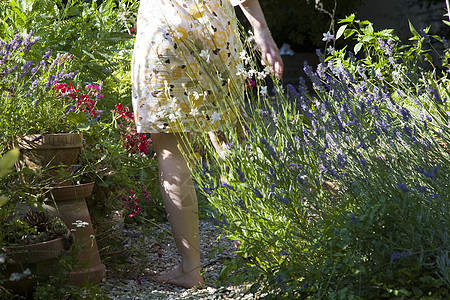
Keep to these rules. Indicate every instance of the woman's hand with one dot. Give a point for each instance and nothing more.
(270, 54)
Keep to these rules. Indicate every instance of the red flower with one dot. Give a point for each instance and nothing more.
(64, 87)
(124, 112)
(86, 104)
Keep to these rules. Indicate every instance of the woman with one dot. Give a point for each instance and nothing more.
(184, 80)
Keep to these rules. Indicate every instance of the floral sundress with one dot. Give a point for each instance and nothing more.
(184, 66)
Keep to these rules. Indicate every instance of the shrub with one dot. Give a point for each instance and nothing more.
(342, 192)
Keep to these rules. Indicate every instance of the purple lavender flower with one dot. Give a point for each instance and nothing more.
(354, 219)
(431, 174)
(302, 88)
(258, 193)
(227, 186)
(314, 78)
(205, 167)
(268, 147)
(422, 189)
(402, 187)
(26, 68)
(280, 281)
(395, 256)
(241, 203)
(241, 175)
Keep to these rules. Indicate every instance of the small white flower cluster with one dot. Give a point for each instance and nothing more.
(328, 37)
(216, 116)
(18, 276)
(2, 259)
(242, 70)
(79, 224)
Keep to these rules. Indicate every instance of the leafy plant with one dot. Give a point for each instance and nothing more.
(94, 34)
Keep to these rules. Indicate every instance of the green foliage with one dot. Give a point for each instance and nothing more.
(94, 34)
(342, 192)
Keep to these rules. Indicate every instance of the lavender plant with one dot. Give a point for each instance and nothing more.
(342, 191)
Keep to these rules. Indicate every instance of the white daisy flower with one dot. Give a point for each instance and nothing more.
(263, 91)
(216, 116)
(194, 112)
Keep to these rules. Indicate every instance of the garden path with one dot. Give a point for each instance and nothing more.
(150, 250)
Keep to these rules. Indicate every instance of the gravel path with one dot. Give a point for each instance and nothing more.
(151, 250)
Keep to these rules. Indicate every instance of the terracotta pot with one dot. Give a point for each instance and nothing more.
(42, 259)
(70, 204)
(51, 153)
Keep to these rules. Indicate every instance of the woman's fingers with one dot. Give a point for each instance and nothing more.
(274, 62)
(279, 68)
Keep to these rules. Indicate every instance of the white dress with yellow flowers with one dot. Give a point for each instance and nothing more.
(184, 66)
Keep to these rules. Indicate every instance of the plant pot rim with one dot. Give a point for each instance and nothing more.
(79, 185)
(72, 192)
(17, 247)
(64, 140)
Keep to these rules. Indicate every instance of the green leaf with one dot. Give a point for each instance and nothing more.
(413, 30)
(348, 33)
(3, 200)
(8, 161)
(77, 117)
(340, 32)
(367, 38)
(348, 19)
(357, 48)
(436, 37)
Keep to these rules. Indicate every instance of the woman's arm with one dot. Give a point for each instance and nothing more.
(269, 50)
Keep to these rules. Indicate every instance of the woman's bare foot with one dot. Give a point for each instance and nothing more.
(179, 278)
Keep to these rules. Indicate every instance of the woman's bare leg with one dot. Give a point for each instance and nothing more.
(180, 201)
